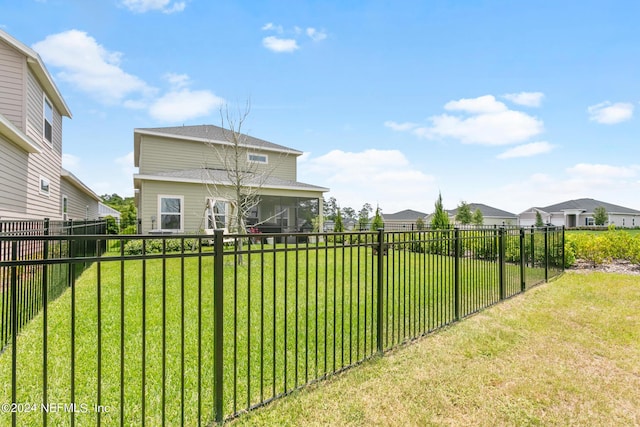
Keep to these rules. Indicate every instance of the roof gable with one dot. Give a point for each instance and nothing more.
(405, 215)
(487, 211)
(40, 71)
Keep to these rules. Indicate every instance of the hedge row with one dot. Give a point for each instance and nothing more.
(603, 247)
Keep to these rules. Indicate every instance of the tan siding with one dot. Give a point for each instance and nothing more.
(195, 196)
(12, 70)
(13, 178)
(77, 202)
(35, 119)
(49, 162)
(162, 154)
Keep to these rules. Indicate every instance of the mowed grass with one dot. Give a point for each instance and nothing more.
(565, 353)
(288, 319)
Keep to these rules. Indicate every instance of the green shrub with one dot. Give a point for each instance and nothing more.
(154, 246)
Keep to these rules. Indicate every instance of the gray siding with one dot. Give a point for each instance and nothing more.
(13, 178)
(77, 202)
(159, 154)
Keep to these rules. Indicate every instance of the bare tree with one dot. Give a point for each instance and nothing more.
(236, 179)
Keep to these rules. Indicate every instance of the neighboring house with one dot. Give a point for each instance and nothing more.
(182, 186)
(403, 220)
(580, 213)
(104, 211)
(78, 200)
(490, 215)
(31, 112)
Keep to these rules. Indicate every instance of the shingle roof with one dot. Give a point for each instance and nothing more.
(487, 211)
(214, 133)
(587, 205)
(221, 177)
(405, 215)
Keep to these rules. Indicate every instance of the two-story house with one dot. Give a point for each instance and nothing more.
(33, 184)
(184, 183)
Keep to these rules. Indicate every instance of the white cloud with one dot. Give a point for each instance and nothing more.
(527, 150)
(316, 35)
(608, 113)
(600, 171)
(177, 81)
(164, 6)
(88, 65)
(126, 163)
(614, 184)
(280, 45)
(96, 71)
(370, 176)
(481, 105)
(289, 44)
(401, 127)
(528, 99)
(184, 104)
(482, 120)
(499, 128)
(271, 27)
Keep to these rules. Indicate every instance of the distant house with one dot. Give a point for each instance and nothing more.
(34, 185)
(78, 200)
(182, 185)
(490, 215)
(580, 213)
(403, 220)
(105, 210)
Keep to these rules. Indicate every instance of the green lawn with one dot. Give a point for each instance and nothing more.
(278, 335)
(566, 353)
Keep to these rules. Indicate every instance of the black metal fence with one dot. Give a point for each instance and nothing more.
(29, 276)
(187, 330)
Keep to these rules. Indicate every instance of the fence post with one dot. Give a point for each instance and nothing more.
(546, 254)
(501, 263)
(533, 246)
(456, 273)
(218, 279)
(45, 298)
(380, 289)
(14, 328)
(523, 282)
(563, 254)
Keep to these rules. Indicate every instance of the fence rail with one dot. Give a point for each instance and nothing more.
(186, 330)
(34, 284)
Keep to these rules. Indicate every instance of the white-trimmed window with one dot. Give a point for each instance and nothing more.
(257, 158)
(171, 212)
(44, 186)
(47, 130)
(65, 207)
(218, 214)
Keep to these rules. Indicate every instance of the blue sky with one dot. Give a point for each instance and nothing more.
(512, 104)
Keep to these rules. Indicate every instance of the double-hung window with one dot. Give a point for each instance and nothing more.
(218, 212)
(48, 121)
(171, 212)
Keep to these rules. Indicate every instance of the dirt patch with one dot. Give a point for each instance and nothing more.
(616, 266)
